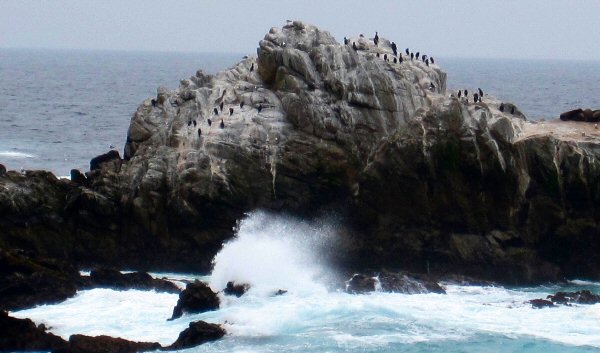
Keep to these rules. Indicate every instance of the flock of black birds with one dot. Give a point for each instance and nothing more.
(396, 57)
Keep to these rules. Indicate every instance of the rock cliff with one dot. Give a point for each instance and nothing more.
(424, 181)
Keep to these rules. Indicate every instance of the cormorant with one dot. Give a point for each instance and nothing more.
(189, 122)
(407, 51)
(512, 110)
(432, 61)
(209, 122)
(385, 57)
(230, 111)
(400, 59)
(376, 39)
(377, 54)
(475, 97)
(466, 93)
(501, 108)
(199, 132)
(259, 108)
(241, 104)
(222, 124)
(427, 62)
(431, 86)
(216, 111)
(412, 56)
(395, 60)
(394, 49)
(480, 92)
(194, 122)
(459, 93)
(221, 106)
(345, 41)
(417, 55)
(354, 46)
(252, 67)
(153, 101)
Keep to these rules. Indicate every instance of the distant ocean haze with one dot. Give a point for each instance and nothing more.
(60, 108)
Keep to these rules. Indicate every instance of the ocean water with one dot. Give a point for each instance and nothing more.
(59, 109)
(276, 252)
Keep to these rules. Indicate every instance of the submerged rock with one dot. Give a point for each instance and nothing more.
(238, 290)
(19, 335)
(196, 298)
(105, 344)
(541, 303)
(579, 297)
(197, 333)
(114, 279)
(408, 284)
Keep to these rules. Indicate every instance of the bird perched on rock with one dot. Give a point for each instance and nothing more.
(466, 93)
(427, 62)
(354, 46)
(459, 93)
(480, 92)
(431, 86)
(230, 111)
(222, 124)
(385, 57)
(407, 51)
(412, 56)
(209, 122)
(199, 132)
(376, 39)
(189, 122)
(260, 107)
(512, 110)
(252, 67)
(377, 54)
(475, 97)
(501, 108)
(417, 55)
(345, 41)
(400, 59)
(221, 106)
(431, 59)
(216, 111)
(194, 122)
(241, 104)
(395, 60)
(394, 49)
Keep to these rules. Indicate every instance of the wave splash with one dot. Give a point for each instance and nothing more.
(273, 252)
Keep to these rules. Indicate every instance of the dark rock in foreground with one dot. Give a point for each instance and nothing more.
(27, 280)
(105, 344)
(197, 333)
(196, 298)
(24, 335)
(114, 279)
(236, 289)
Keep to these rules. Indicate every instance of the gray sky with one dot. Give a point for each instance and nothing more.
(561, 29)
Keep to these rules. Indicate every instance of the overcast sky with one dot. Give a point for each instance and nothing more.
(561, 29)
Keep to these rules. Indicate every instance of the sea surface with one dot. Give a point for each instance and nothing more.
(58, 109)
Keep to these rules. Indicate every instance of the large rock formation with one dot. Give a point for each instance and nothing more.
(427, 182)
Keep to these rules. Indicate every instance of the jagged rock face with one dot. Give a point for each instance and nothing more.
(427, 182)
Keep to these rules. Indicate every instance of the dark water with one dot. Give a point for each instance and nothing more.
(58, 109)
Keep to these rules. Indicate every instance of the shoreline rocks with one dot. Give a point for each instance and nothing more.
(198, 332)
(114, 279)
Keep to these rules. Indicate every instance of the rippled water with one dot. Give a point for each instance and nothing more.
(274, 252)
(59, 109)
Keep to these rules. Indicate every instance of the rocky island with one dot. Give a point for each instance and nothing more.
(424, 181)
